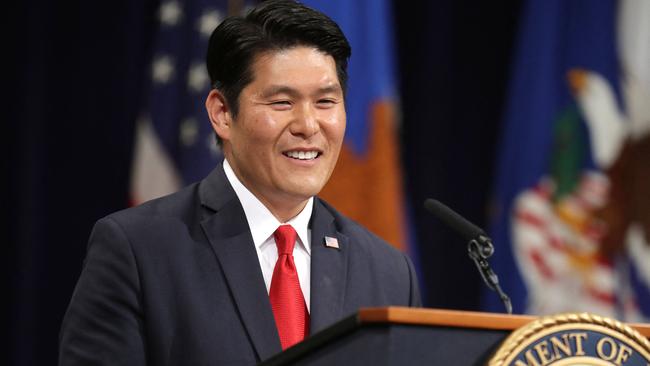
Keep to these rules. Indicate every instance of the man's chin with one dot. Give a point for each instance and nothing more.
(303, 191)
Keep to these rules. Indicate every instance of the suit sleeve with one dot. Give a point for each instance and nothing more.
(415, 299)
(103, 324)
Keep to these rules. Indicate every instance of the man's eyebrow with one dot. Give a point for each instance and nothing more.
(283, 89)
(334, 88)
(278, 89)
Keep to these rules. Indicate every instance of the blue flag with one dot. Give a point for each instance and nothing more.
(367, 182)
(564, 225)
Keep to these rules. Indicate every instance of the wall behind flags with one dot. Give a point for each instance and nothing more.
(78, 80)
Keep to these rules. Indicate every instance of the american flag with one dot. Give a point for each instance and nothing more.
(175, 144)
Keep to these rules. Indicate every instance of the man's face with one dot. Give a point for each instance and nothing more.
(286, 138)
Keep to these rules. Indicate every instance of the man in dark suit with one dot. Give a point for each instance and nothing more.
(247, 262)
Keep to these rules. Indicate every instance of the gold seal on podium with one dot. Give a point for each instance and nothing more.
(574, 339)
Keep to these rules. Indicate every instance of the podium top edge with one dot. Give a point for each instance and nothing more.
(456, 318)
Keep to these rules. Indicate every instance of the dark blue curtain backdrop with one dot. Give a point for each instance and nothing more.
(76, 75)
(77, 70)
(454, 63)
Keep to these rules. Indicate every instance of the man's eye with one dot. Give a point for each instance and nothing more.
(281, 103)
(326, 102)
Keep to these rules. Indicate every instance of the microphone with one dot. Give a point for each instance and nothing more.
(479, 245)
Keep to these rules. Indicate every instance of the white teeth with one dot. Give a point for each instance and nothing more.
(302, 155)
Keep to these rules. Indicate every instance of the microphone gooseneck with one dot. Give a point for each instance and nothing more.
(479, 245)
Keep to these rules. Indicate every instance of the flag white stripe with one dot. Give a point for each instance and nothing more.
(153, 173)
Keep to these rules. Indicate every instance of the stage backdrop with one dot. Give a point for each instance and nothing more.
(82, 74)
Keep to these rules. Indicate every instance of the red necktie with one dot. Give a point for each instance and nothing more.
(289, 309)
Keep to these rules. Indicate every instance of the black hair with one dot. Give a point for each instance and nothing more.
(272, 25)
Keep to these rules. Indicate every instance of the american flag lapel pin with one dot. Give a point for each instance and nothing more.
(331, 242)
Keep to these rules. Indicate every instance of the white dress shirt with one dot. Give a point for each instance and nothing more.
(263, 224)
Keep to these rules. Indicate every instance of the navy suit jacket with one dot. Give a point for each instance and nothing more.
(177, 281)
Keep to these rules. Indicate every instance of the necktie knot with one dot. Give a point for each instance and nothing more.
(285, 239)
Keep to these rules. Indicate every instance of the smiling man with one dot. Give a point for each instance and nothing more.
(284, 137)
(249, 261)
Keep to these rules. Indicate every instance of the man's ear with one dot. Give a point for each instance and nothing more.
(219, 113)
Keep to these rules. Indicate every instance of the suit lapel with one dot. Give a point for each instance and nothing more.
(230, 238)
(329, 267)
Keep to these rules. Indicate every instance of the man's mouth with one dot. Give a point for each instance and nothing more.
(302, 155)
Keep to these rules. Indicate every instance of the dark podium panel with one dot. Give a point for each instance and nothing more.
(404, 336)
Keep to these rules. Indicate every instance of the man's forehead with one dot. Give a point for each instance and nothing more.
(287, 70)
(266, 54)
(293, 57)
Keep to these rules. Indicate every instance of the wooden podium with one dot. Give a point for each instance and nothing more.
(407, 336)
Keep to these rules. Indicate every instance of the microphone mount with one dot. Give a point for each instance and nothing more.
(479, 245)
(479, 250)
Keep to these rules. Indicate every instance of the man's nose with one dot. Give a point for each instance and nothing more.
(306, 122)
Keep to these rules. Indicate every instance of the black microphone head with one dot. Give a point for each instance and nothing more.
(465, 228)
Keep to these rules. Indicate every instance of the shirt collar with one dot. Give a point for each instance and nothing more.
(261, 221)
